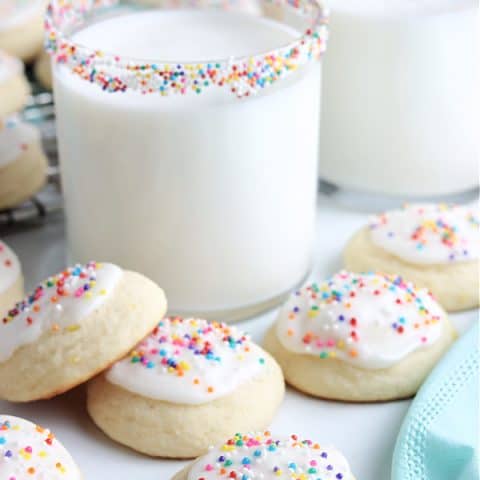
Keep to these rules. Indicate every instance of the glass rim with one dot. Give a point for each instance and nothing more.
(246, 75)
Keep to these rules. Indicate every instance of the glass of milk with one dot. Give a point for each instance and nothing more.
(196, 165)
(400, 101)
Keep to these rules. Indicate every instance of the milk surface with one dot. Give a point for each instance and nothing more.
(400, 97)
(185, 36)
(211, 196)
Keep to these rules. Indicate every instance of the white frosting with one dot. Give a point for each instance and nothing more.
(17, 12)
(260, 456)
(9, 267)
(60, 303)
(368, 320)
(15, 138)
(429, 234)
(28, 451)
(188, 361)
(9, 67)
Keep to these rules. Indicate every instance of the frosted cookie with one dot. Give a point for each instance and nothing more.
(434, 246)
(21, 27)
(262, 456)
(74, 325)
(43, 70)
(23, 165)
(11, 279)
(187, 386)
(30, 451)
(359, 337)
(14, 88)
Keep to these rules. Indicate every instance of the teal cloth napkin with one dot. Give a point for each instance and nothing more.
(439, 439)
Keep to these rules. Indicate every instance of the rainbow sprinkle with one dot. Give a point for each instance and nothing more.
(58, 305)
(365, 319)
(248, 457)
(243, 76)
(189, 360)
(30, 451)
(74, 282)
(429, 233)
(169, 345)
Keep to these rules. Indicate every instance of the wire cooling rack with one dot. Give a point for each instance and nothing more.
(40, 112)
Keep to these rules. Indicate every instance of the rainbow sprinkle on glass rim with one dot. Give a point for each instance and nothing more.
(244, 76)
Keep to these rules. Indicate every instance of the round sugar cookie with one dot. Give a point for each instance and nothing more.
(43, 70)
(31, 451)
(23, 164)
(11, 279)
(434, 246)
(266, 457)
(72, 326)
(14, 87)
(187, 386)
(359, 337)
(21, 27)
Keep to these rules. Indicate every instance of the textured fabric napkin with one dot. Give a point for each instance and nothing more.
(439, 439)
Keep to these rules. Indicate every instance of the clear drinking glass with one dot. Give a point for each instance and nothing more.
(400, 98)
(188, 140)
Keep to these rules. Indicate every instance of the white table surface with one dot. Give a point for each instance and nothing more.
(364, 433)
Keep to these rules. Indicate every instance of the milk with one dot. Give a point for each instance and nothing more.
(400, 106)
(211, 196)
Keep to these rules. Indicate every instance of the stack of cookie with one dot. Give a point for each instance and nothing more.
(185, 383)
(23, 164)
(21, 28)
(172, 387)
(21, 35)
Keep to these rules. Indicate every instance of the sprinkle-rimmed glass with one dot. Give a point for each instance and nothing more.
(199, 173)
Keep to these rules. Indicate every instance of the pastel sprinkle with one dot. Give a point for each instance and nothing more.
(365, 319)
(30, 451)
(243, 76)
(429, 233)
(259, 455)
